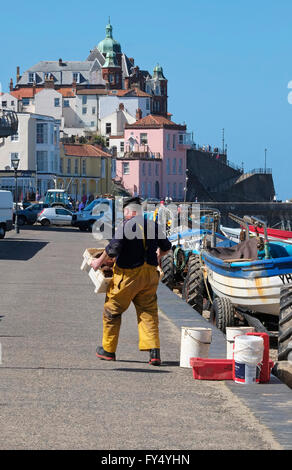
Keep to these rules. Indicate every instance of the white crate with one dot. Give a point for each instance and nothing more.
(88, 255)
(99, 280)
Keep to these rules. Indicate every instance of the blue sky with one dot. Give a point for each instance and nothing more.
(228, 63)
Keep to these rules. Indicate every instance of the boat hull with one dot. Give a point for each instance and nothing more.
(251, 285)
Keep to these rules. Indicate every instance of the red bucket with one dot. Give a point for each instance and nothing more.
(211, 369)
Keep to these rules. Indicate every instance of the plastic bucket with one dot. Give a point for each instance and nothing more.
(195, 342)
(248, 356)
(231, 332)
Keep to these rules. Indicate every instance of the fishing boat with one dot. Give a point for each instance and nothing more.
(253, 277)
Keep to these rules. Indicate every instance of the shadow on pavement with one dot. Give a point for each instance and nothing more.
(21, 250)
(151, 371)
(52, 228)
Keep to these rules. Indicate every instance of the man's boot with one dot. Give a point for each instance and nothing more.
(154, 359)
(106, 356)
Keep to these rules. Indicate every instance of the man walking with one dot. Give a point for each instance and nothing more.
(137, 246)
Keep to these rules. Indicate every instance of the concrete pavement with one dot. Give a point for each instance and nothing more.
(55, 393)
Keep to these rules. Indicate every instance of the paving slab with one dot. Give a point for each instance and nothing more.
(55, 393)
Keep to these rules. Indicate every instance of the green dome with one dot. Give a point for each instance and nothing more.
(158, 72)
(109, 44)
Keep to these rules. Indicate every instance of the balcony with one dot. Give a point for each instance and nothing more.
(8, 123)
(140, 152)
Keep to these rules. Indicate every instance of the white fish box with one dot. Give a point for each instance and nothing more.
(99, 280)
(88, 255)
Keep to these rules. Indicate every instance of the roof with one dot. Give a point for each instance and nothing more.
(84, 150)
(29, 92)
(153, 121)
(132, 92)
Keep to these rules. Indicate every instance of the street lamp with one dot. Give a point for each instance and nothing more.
(14, 163)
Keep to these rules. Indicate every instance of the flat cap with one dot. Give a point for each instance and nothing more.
(131, 200)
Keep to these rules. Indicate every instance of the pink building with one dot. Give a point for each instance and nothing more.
(154, 163)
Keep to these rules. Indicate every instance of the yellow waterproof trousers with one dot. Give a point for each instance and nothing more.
(138, 285)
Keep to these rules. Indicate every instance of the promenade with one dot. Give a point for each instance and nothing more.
(55, 393)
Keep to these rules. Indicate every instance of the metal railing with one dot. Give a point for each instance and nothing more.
(8, 123)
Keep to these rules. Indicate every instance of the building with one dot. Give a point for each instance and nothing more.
(85, 170)
(36, 144)
(81, 94)
(154, 161)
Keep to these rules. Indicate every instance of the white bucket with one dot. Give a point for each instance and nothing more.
(231, 332)
(248, 355)
(195, 342)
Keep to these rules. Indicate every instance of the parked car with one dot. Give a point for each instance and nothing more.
(55, 216)
(86, 218)
(30, 214)
(6, 212)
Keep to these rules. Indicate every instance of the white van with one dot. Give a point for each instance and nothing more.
(6, 212)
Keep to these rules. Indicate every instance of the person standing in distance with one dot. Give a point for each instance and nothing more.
(137, 247)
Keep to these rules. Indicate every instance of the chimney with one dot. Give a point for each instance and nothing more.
(138, 114)
(17, 74)
(60, 62)
(49, 82)
(132, 60)
(74, 85)
(11, 84)
(121, 107)
(34, 88)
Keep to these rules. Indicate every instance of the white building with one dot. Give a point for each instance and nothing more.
(37, 146)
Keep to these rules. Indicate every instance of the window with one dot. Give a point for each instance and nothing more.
(114, 167)
(107, 142)
(149, 169)
(76, 77)
(174, 191)
(4, 104)
(66, 104)
(84, 110)
(57, 102)
(93, 109)
(84, 99)
(108, 128)
(156, 169)
(174, 142)
(143, 169)
(12, 103)
(84, 167)
(157, 90)
(143, 189)
(147, 104)
(122, 146)
(168, 141)
(111, 78)
(14, 138)
(149, 189)
(174, 166)
(180, 166)
(31, 77)
(126, 168)
(143, 139)
(42, 160)
(181, 139)
(117, 78)
(76, 166)
(25, 101)
(103, 167)
(69, 166)
(42, 133)
(168, 166)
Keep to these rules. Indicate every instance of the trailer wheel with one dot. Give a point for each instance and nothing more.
(285, 323)
(167, 266)
(193, 287)
(222, 313)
